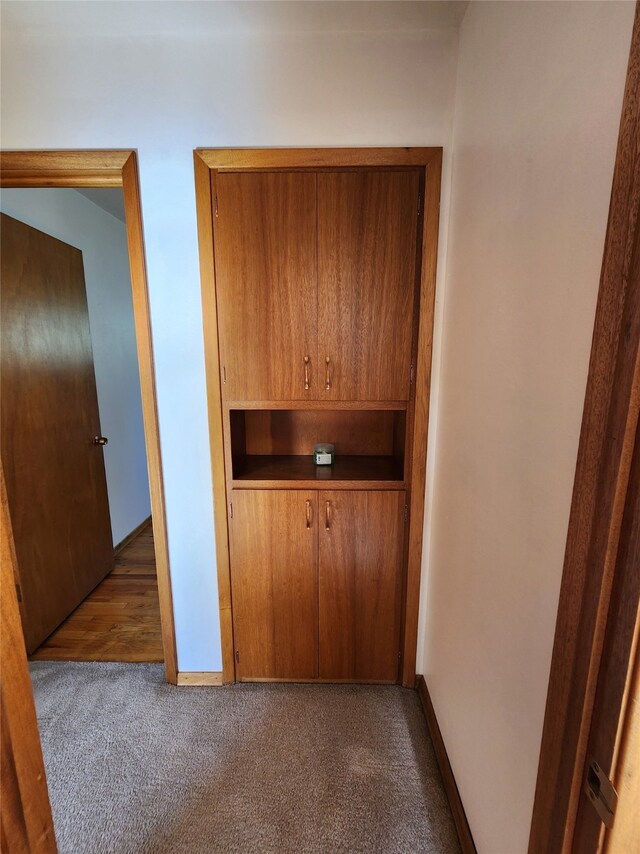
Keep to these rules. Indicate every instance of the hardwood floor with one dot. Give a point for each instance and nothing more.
(120, 620)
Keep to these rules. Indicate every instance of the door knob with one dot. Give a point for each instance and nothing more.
(100, 440)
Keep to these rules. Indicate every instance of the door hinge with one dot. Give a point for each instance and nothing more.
(599, 789)
(237, 656)
(231, 509)
(224, 374)
(216, 205)
(411, 375)
(18, 592)
(406, 512)
(419, 203)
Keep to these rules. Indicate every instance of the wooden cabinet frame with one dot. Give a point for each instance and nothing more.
(429, 160)
(117, 168)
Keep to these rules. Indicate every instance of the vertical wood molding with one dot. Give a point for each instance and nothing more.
(214, 402)
(141, 313)
(117, 168)
(604, 458)
(433, 178)
(26, 822)
(451, 789)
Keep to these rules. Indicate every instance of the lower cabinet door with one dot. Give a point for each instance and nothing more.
(274, 583)
(361, 544)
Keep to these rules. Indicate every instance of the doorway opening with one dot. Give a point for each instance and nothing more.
(80, 448)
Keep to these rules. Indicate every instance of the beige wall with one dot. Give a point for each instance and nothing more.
(537, 109)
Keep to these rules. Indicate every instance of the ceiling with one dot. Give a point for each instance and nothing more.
(110, 199)
(180, 18)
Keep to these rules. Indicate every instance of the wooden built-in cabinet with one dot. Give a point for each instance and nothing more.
(318, 278)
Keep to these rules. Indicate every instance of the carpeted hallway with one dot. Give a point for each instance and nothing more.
(136, 766)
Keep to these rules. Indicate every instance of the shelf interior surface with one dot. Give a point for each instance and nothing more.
(270, 467)
(277, 445)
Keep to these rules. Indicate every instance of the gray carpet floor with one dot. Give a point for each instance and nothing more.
(136, 766)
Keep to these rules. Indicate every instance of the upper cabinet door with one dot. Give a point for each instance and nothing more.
(367, 233)
(265, 255)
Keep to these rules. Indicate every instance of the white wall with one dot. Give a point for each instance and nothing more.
(537, 113)
(68, 216)
(168, 77)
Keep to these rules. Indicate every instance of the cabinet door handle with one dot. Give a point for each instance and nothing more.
(327, 375)
(307, 360)
(308, 512)
(327, 515)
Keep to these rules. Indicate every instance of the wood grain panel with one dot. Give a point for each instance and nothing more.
(318, 405)
(615, 680)
(204, 204)
(249, 159)
(55, 476)
(63, 168)
(274, 578)
(201, 679)
(361, 536)
(26, 826)
(367, 234)
(146, 365)
(265, 255)
(625, 832)
(297, 431)
(418, 416)
(347, 472)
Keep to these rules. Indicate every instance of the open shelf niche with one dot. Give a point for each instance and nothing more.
(274, 447)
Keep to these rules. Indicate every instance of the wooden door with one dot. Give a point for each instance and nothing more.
(274, 583)
(367, 234)
(55, 476)
(265, 256)
(361, 537)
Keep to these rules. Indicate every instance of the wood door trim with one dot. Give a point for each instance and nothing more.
(605, 451)
(255, 159)
(204, 210)
(196, 678)
(63, 168)
(117, 168)
(422, 386)
(429, 161)
(27, 825)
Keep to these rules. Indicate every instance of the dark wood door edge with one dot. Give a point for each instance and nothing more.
(451, 789)
(602, 474)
